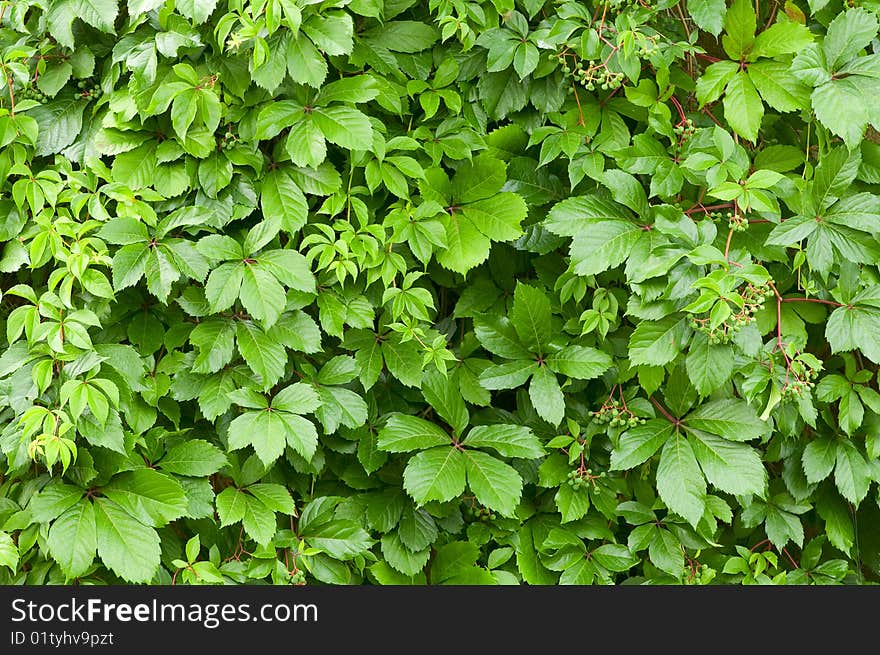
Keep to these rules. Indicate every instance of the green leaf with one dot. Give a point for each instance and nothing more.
(658, 342)
(281, 197)
(332, 34)
(839, 107)
(743, 108)
(495, 484)
(290, 268)
(606, 245)
(740, 24)
(298, 398)
(731, 467)
(846, 326)
(851, 474)
(149, 496)
(579, 362)
(216, 343)
(435, 474)
(444, 395)
(416, 529)
(230, 505)
(498, 217)
(401, 557)
(344, 126)
(729, 418)
(408, 36)
(261, 295)
(196, 10)
(638, 444)
(402, 433)
(404, 361)
(126, 546)
(576, 216)
(480, 178)
(72, 539)
(666, 553)
(194, 457)
(506, 440)
(782, 526)
(778, 87)
(258, 520)
(60, 122)
(615, 557)
(124, 231)
(8, 552)
(818, 459)
(531, 317)
(452, 559)
(508, 375)
(273, 496)
(53, 500)
(782, 38)
(708, 365)
(847, 34)
(572, 503)
(265, 430)
(546, 396)
(466, 246)
(265, 356)
(838, 519)
(713, 81)
(498, 335)
(708, 14)
(302, 435)
(680, 481)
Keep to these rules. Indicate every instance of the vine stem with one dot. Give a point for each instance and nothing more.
(790, 558)
(577, 99)
(669, 417)
(818, 300)
(708, 113)
(779, 343)
(679, 108)
(700, 207)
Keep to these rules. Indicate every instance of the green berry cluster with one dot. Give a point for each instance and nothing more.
(579, 478)
(753, 298)
(649, 45)
(800, 379)
(227, 141)
(591, 74)
(737, 222)
(616, 416)
(89, 89)
(32, 93)
(623, 4)
(298, 577)
(685, 129)
(480, 514)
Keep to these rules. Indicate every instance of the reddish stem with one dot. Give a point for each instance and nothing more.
(727, 245)
(699, 207)
(712, 116)
(679, 108)
(818, 300)
(669, 417)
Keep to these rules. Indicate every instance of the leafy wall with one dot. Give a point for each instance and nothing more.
(381, 291)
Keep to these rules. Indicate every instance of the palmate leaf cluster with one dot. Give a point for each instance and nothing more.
(446, 292)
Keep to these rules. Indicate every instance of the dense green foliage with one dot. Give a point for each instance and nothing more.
(462, 291)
